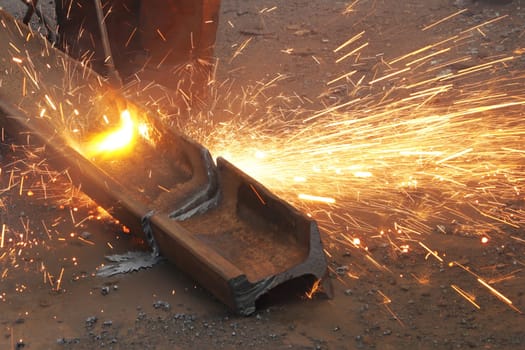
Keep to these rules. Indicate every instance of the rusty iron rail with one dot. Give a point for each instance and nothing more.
(220, 226)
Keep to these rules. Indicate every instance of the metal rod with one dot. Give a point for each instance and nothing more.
(113, 75)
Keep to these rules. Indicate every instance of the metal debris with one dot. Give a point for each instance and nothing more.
(128, 262)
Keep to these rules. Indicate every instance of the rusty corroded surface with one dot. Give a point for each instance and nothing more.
(214, 222)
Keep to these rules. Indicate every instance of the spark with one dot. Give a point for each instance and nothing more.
(388, 76)
(3, 235)
(314, 289)
(59, 281)
(386, 301)
(518, 239)
(469, 297)
(456, 155)
(499, 295)
(161, 35)
(89, 217)
(350, 41)
(21, 186)
(50, 102)
(309, 197)
(444, 19)
(261, 199)
(72, 216)
(85, 240)
(353, 52)
(14, 47)
(497, 19)
(424, 280)
(377, 264)
(167, 190)
(131, 35)
(268, 10)
(344, 76)
(430, 252)
(241, 48)
(491, 289)
(350, 8)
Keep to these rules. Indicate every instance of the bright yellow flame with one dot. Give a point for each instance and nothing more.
(119, 139)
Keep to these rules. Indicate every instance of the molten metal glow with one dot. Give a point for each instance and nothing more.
(119, 140)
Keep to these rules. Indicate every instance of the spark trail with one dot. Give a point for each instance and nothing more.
(437, 146)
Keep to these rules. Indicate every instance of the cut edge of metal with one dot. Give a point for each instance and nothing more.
(245, 292)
